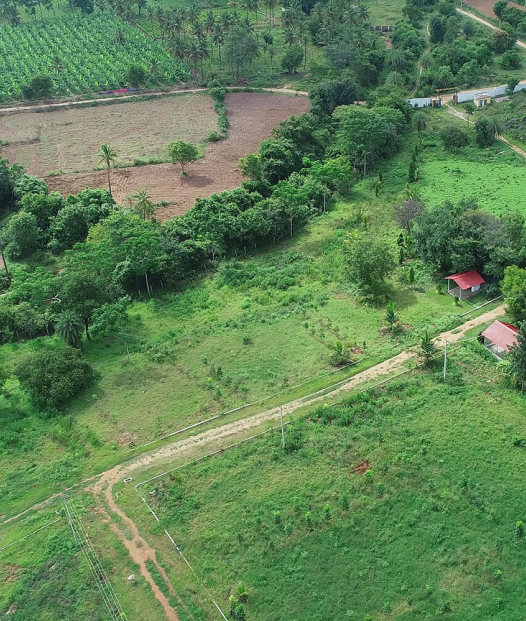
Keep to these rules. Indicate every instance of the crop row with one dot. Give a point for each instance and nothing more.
(81, 53)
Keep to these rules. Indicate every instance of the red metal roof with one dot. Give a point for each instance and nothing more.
(502, 334)
(467, 279)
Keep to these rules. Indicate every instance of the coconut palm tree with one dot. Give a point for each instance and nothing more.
(143, 204)
(420, 122)
(289, 36)
(218, 38)
(108, 156)
(69, 327)
(427, 348)
(270, 5)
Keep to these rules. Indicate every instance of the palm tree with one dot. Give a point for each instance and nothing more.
(391, 316)
(143, 204)
(363, 13)
(69, 327)
(420, 122)
(495, 127)
(218, 39)
(303, 32)
(270, 5)
(107, 156)
(210, 22)
(427, 348)
(289, 36)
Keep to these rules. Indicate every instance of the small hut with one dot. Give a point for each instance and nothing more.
(481, 100)
(468, 284)
(499, 337)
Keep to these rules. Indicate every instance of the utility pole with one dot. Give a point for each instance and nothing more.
(445, 357)
(4, 261)
(282, 426)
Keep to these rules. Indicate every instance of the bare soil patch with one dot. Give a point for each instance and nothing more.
(362, 467)
(252, 117)
(486, 6)
(68, 139)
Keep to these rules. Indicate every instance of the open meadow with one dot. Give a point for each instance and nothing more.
(398, 504)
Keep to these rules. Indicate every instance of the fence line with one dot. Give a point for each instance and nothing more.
(481, 306)
(30, 534)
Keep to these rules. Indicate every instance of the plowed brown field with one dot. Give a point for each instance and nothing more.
(252, 117)
(486, 6)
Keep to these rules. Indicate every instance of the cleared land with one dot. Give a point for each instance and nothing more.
(252, 117)
(412, 467)
(67, 140)
(486, 6)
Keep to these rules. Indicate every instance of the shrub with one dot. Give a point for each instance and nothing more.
(53, 377)
(454, 138)
(510, 60)
(40, 87)
(136, 76)
(21, 235)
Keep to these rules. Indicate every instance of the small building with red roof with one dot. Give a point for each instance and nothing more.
(468, 284)
(499, 337)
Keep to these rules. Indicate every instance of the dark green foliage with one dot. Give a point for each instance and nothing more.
(69, 327)
(241, 48)
(437, 29)
(27, 184)
(511, 60)
(21, 235)
(369, 261)
(498, 8)
(52, 377)
(330, 94)
(292, 59)
(485, 132)
(40, 87)
(6, 186)
(279, 159)
(514, 290)
(517, 358)
(137, 75)
(43, 206)
(453, 138)
(68, 227)
(86, 6)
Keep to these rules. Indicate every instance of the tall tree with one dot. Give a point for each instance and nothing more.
(108, 157)
(143, 204)
(69, 327)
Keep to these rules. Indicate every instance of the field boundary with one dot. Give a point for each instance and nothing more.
(102, 101)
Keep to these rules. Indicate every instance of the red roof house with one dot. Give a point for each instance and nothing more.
(467, 281)
(499, 337)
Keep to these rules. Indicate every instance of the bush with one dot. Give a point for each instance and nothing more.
(292, 59)
(215, 136)
(53, 377)
(454, 138)
(136, 76)
(510, 60)
(21, 235)
(40, 87)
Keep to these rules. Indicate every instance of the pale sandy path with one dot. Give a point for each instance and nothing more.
(488, 24)
(71, 103)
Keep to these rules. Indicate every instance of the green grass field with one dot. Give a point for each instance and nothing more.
(258, 326)
(397, 505)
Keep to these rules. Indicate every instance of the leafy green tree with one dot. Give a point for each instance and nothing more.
(27, 184)
(368, 260)
(137, 76)
(143, 204)
(69, 327)
(420, 122)
(241, 48)
(512, 83)
(110, 321)
(329, 94)
(437, 29)
(502, 41)
(250, 166)
(182, 153)
(279, 159)
(486, 132)
(108, 157)
(53, 376)
(43, 206)
(517, 357)
(6, 186)
(514, 290)
(21, 235)
(40, 87)
(68, 227)
(334, 173)
(498, 8)
(454, 139)
(292, 59)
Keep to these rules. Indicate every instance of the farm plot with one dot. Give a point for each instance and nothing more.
(252, 117)
(67, 140)
(81, 53)
(486, 6)
(385, 507)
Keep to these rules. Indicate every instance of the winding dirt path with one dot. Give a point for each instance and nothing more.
(488, 24)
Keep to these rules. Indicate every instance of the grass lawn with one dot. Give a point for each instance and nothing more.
(496, 176)
(401, 504)
(511, 115)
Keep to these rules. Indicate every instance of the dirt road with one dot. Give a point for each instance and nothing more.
(488, 24)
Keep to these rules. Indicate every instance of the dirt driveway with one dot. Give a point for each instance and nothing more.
(252, 117)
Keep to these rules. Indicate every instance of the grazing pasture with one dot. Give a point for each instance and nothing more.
(398, 504)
